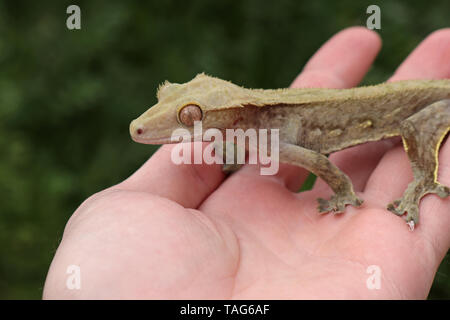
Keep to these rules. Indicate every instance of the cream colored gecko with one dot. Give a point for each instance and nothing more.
(315, 122)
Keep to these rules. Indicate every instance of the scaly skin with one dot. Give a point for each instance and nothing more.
(313, 122)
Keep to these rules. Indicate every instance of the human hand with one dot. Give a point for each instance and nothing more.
(188, 232)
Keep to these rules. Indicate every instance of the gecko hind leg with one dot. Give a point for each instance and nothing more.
(422, 134)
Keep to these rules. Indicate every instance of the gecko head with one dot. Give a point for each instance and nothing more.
(204, 98)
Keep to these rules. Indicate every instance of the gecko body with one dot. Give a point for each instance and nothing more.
(314, 122)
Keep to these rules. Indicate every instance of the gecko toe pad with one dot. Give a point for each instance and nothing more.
(337, 203)
(442, 191)
(231, 168)
(409, 203)
(400, 207)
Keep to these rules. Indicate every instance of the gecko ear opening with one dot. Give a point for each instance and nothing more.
(189, 114)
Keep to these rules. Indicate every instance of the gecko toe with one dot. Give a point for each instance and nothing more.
(231, 168)
(409, 203)
(337, 203)
(324, 206)
(413, 215)
(402, 206)
(442, 191)
(395, 207)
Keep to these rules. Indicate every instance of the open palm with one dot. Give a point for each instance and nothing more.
(186, 231)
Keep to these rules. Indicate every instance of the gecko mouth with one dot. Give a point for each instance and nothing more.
(162, 140)
(166, 140)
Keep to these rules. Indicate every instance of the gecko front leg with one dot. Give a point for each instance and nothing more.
(319, 164)
(229, 153)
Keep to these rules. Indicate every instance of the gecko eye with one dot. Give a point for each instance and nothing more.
(189, 114)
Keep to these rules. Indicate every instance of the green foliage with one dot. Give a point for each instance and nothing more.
(67, 97)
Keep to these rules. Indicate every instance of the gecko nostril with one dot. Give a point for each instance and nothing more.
(139, 131)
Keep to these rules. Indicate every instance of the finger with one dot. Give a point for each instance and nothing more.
(187, 184)
(340, 63)
(428, 60)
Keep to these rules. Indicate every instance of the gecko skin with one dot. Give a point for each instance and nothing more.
(314, 122)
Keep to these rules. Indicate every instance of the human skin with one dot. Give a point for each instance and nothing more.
(189, 232)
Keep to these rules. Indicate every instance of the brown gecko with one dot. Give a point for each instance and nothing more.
(315, 122)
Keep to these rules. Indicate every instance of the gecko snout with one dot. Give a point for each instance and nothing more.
(136, 129)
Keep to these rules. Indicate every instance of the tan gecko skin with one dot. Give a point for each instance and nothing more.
(314, 122)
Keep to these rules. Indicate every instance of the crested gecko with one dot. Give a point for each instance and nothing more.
(314, 122)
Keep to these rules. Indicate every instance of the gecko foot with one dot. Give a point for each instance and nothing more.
(337, 203)
(409, 203)
(229, 153)
(402, 206)
(230, 168)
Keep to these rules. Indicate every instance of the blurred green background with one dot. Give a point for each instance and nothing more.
(67, 97)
